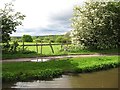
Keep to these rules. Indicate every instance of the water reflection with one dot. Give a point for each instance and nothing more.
(39, 60)
(101, 79)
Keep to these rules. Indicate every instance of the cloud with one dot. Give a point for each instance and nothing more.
(40, 32)
(45, 17)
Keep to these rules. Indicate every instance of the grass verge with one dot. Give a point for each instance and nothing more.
(47, 52)
(23, 71)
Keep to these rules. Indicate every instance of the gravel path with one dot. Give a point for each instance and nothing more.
(52, 57)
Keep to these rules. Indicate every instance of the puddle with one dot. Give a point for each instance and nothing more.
(39, 60)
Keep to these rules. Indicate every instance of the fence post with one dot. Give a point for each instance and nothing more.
(41, 48)
(37, 50)
(61, 46)
(51, 47)
(67, 43)
(23, 45)
(37, 47)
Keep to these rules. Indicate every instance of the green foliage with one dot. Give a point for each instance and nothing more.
(22, 71)
(5, 47)
(27, 38)
(37, 75)
(44, 39)
(77, 49)
(19, 39)
(47, 38)
(96, 25)
(14, 50)
(38, 40)
(10, 48)
(67, 37)
(9, 21)
(14, 46)
(53, 38)
(59, 39)
(63, 39)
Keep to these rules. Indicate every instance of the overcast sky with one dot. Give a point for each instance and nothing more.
(44, 17)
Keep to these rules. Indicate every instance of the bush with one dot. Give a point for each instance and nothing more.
(5, 47)
(38, 40)
(76, 48)
(8, 48)
(27, 38)
(62, 40)
(14, 47)
(36, 75)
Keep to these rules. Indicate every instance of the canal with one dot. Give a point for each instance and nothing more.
(100, 79)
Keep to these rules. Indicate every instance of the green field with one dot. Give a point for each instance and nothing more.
(46, 51)
(20, 71)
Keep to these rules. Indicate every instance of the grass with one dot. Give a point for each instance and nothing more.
(110, 51)
(46, 51)
(22, 71)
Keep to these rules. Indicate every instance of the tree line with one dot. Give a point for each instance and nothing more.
(44, 39)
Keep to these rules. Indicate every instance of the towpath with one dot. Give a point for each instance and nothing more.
(54, 57)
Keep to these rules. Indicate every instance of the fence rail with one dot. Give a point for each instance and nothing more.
(41, 45)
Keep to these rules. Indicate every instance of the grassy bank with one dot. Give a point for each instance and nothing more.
(47, 52)
(22, 71)
(30, 55)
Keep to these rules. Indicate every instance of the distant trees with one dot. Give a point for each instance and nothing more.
(37, 40)
(97, 24)
(46, 39)
(68, 37)
(27, 38)
(63, 39)
(59, 39)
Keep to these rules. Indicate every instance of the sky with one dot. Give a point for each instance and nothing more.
(44, 17)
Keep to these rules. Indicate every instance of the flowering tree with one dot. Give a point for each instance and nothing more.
(97, 24)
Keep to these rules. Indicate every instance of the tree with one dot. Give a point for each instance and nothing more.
(27, 38)
(59, 39)
(67, 37)
(96, 25)
(62, 39)
(9, 21)
(46, 39)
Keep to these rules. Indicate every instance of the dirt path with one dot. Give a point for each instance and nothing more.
(52, 57)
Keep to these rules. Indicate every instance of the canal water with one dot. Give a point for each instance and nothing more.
(101, 79)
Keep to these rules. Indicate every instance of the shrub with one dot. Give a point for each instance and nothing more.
(27, 38)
